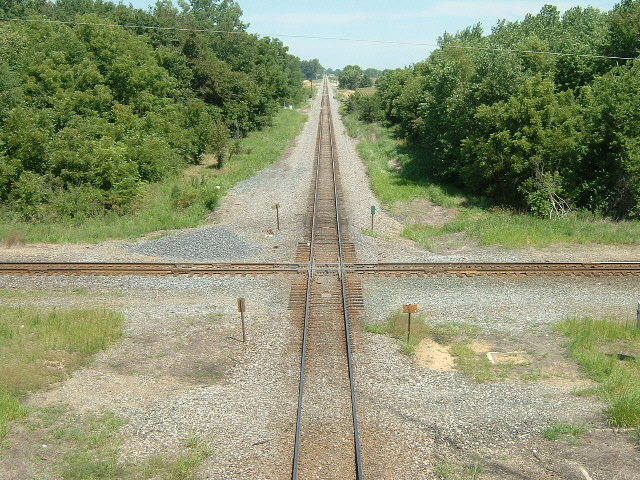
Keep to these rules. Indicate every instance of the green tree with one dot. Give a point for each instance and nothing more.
(311, 68)
(524, 148)
(350, 77)
(625, 29)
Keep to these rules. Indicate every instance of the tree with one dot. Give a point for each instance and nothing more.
(311, 68)
(625, 29)
(525, 147)
(350, 77)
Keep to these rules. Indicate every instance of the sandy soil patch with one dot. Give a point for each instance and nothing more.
(434, 356)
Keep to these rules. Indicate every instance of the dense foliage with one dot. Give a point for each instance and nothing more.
(311, 69)
(92, 114)
(534, 131)
(353, 77)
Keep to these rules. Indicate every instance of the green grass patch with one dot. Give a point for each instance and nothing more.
(560, 430)
(38, 348)
(500, 227)
(457, 336)
(178, 202)
(396, 176)
(609, 351)
(88, 447)
(450, 471)
(477, 365)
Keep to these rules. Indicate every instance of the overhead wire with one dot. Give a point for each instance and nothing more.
(315, 37)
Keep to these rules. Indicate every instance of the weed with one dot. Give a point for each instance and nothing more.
(473, 364)
(591, 343)
(585, 392)
(533, 376)
(370, 233)
(38, 348)
(558, 430)
(14, 237)
(449, 471)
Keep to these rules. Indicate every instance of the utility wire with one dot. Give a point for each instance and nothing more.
(313, 37)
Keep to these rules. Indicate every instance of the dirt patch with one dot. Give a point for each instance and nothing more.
(423, 211)
(434, 356)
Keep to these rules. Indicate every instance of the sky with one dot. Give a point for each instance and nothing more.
(403, 21)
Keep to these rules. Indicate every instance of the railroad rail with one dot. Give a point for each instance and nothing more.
(301, 268)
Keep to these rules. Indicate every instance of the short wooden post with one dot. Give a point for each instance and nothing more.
(276, 207)
(242, 307)
(409, 309)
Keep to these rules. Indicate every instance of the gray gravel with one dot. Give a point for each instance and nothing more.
(212, 244)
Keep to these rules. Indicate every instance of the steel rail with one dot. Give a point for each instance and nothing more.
(396, 269)
(346, 310)
(296, 447)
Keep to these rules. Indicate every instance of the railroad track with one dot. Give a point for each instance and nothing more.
(301, 268)
(326, 439)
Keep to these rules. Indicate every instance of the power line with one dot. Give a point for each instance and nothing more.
(314, 37)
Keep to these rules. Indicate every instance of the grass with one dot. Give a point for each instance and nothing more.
(501, 227)
(89, 448)
(39, 348)
(560, 430)
(370, 233)
(450, 471)
(396, 176)
(597, 345)
(178, 202)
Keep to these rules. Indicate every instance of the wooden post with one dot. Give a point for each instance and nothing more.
(410, 308)
(277, 209)
(242, 307)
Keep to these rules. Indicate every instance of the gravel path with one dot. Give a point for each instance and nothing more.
(180, 369)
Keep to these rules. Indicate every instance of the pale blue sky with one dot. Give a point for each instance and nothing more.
(411, 21)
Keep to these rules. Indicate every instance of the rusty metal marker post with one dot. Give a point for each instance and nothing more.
(373, 212)
(276, 207)
(411, 308)
(242, 307)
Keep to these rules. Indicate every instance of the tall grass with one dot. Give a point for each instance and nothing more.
(596, 344)
(396, 175)
(387, 165)
(177, 202)
(39, 348)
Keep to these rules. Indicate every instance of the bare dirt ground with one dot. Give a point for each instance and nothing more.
(180, 370)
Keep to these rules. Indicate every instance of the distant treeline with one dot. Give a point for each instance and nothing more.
(91, 114)
(535, 131)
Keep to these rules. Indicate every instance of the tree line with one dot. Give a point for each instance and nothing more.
(496, 115)
(92, 113)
